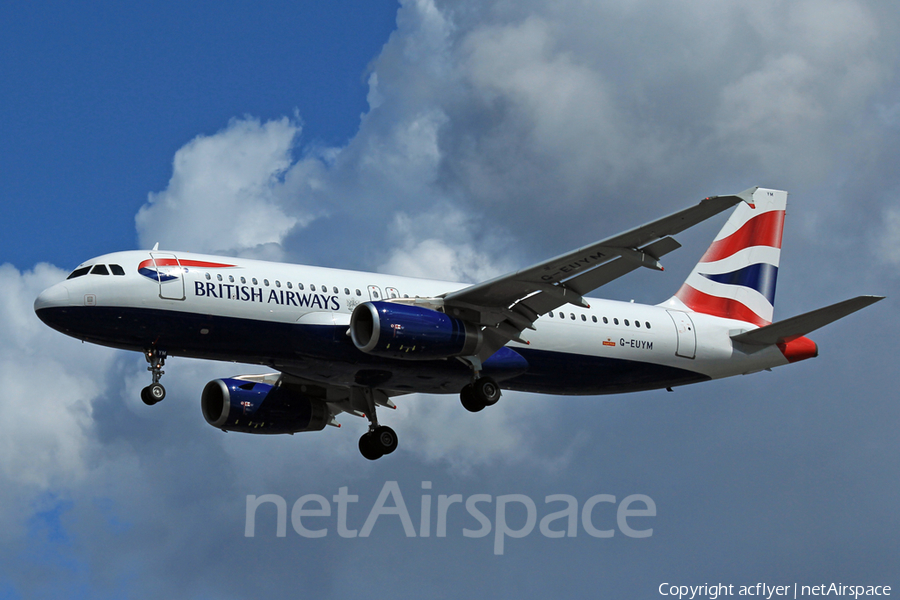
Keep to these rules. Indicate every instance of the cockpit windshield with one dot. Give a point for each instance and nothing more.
(79, 272)
(97, 270)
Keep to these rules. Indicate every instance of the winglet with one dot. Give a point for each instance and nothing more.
(747, 196)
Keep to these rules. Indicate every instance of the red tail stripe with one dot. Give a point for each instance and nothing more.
(762, 230)
(718, 307)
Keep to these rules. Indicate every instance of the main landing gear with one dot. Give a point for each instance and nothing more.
(482, 392)
(154, 392)
(380, 439)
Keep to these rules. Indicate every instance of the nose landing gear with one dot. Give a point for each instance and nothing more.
(155, 392)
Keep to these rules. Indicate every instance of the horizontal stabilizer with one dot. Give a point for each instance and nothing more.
(800, 325)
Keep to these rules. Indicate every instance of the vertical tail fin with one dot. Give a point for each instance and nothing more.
(736, 277)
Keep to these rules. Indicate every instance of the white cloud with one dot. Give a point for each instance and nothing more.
(226, 191)
(448, 251)
(49, 384)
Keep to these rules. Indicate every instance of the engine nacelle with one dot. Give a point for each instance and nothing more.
(250, 407)
(411, 332)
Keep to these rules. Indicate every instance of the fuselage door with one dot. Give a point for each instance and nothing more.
(687, 337)
(375, 293)
(170, 275)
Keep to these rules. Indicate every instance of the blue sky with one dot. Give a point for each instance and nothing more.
(459, 140)
(99, 98)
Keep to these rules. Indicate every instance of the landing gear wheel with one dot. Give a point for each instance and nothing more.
(385, 438)
(153, 393)
(369, 446)
(486, 390)
(378, 442)
(468, 399)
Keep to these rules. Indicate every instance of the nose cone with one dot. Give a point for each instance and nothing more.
(56, 296)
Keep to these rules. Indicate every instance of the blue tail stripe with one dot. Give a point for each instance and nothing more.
(761, 277)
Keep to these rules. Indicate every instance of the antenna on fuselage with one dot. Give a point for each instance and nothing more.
(155, 247)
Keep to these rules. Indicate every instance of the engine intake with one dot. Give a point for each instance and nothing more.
(411, 332)
(250, 407)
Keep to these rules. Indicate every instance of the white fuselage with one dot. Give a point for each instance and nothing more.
(235, 309)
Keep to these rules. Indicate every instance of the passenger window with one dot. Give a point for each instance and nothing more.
(594, 318)
(277, 283)
(79, 272)
(335, 290)
(583, 318)
(346, 291)
(99, 270)
(219, 277)
(358, 293)
(605, 321)
(231, 279)
(290, 285)
(300, 286)
(208, 276)
(572, 315)
(647, 323)
(117, 269)
(550, 314)
(255, 282)
(627, 323)
(637, 324)
(243, 280)
(266, 282)
(615, 321)
(312, 287)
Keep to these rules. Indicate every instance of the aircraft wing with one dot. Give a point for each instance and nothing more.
(338, 398)
(509, 304)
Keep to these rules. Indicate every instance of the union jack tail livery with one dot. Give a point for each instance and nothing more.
(736, 277)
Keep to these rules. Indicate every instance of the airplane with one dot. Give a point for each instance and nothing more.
(343, 341)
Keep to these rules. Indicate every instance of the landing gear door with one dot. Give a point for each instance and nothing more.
(169, 274)
(687, 337)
